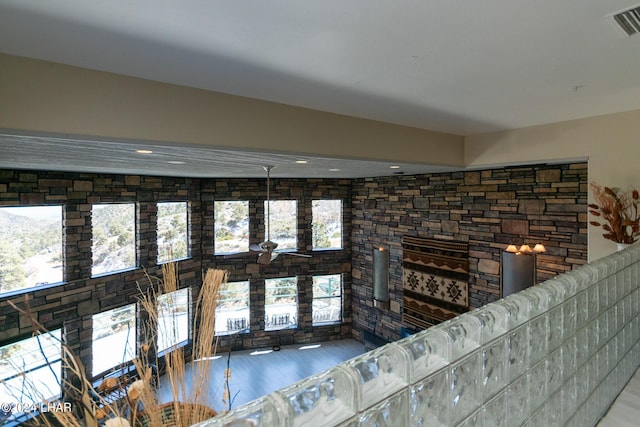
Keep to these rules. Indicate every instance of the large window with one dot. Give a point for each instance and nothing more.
(30, 247)
(173, 238)
(232, 312)
(114, 237)
(283, 221)
(281, 303)
(173, 319)
(327, 299)
(231, 227)
(114, 338)
(30, 370)
(327, 224)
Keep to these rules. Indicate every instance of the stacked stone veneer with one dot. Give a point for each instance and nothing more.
(72, 304)
(488, 209)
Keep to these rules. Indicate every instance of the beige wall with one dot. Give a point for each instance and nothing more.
(47, 97)
(41, 96)
(610, 143)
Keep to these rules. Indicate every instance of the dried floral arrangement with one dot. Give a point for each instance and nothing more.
(619, 210)
(140, 406)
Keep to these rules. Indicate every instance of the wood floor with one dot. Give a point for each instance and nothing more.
(625, 410)
(255, 373)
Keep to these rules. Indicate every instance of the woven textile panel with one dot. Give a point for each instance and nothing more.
(435, 280)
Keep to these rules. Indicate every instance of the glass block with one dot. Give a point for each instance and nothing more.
(429, 401)
(494, 412)
(428, 352)
(463, 333)
(602, 323)
(517, 308)
(329, 396)
(582, 309)
(556, 327)
(518, 400)
(582, 346)
(612, 290)
(554, 370)
(554, 409)
(493, 321)
(594, 302)
(555, 288)
(569, 314)
(570, 284)
(582, 384)
(465, 376)
(538, 299)
(264, 411)
(538, 338)
(473, 420)
(569, 398)
(612, 321)
(379, 373)
(494, 361)
(569, 357)
(518, 348)
(391, 412)
(538, 380)
(538, 419)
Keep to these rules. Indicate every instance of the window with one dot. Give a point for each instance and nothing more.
(114, 238)
(30, 247)
(173, 318)
(327, 224)
(114, 338)
(327, 299)
(283, 222)
(173, 239)
(30, 370)
(281, 303)
(231, 227)
(232, 312)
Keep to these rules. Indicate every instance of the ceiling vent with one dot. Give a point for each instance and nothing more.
(629, 20)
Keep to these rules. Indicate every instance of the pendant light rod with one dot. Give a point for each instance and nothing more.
(268, 169)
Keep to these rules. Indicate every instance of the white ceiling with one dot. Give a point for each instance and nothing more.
(463, 67)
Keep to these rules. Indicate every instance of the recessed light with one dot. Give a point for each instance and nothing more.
(301, 162)
(144, 151)
(176, 162)
(334, 170)
(394, 167)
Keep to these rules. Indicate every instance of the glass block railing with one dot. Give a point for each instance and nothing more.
(555, 354)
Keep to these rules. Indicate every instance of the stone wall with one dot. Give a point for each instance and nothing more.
(488, 209)
(73, 303)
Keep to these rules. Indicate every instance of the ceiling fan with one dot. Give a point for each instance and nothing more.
(267, 249)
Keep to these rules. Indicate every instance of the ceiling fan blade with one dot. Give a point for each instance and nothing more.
(297, 254)
(256, 248)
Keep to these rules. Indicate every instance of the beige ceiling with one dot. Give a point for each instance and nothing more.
(463, 67)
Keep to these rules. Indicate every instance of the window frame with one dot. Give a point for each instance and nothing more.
(135, 240)
(61, 254)
(268, 221)
(245, 328)
(339, 297)
(187, 340)
(46, 363)
(243, 249)
(318, 249)
(187, 241)
(122, 364)
(276, 324)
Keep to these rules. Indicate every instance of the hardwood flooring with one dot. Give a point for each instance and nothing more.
(256, 373)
